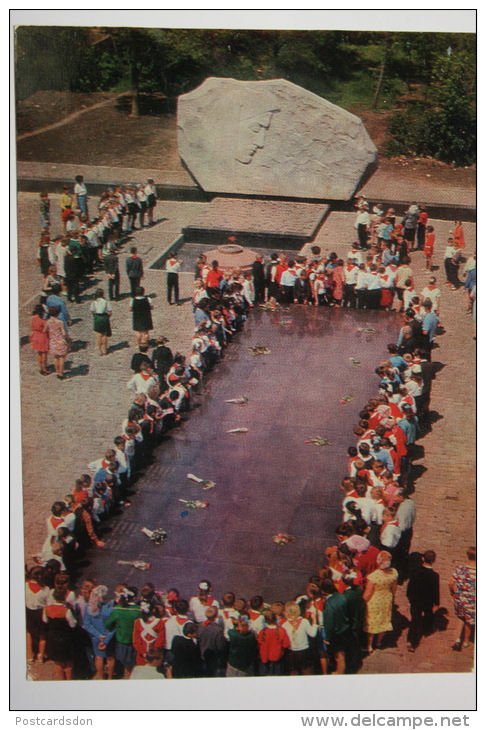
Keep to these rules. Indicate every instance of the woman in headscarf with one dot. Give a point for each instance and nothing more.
(97, 611)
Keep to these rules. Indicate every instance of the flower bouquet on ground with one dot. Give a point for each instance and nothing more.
(194, 504)
(242, 429)
(283, 539)
(139, 564)
(346, 399)
(157, 536)
(259, 350)
(205, 483)
(368, 330)
(318, 441)
(240, 400)
(271, 305)
(353, 361)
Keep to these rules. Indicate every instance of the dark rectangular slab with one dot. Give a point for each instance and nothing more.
(268, 480)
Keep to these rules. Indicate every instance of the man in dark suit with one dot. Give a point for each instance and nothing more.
(112, 270)
(302, 289)
(423, 594)
(258, 271)
(134, 270)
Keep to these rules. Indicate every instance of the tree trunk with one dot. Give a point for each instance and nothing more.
(134, 74)
(382, 74)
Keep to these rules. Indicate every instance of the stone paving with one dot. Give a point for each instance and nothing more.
(67, 424)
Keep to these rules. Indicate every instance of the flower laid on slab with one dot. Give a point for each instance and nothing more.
(157, 536)
(240, 400)
(194, 503)
(283, 539)
(353, 361)
(238, 430)
(259, 350)
(205, 483)
(139, 564)
(318, 441)
(271, 306)
(346, 399)
(369, 330)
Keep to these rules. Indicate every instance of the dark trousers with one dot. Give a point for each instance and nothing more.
(172, 287)
(420, 236)
(134, 284)
(287, 294)
(362, 236)
(409, 235)
(72, 286)
(273, 290)
(349, 295)
(421, 622)
(362, 299)
(374, 298)
(114, 287)
(259, 291)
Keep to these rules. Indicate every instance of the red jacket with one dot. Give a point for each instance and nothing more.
(272, 642)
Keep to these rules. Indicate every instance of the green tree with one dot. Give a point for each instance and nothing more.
(444, 125)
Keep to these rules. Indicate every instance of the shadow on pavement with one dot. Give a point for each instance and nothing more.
(119, 346)
(74, 372)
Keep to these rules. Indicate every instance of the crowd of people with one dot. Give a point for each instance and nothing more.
(346, 609)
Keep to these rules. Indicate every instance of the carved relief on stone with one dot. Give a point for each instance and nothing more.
(271, 138)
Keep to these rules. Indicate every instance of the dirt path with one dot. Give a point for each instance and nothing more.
(70, 117)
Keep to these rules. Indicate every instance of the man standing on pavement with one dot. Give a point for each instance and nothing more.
(134, 267)
(112, 270)
(429, 325)
(406, 518)
(423, 593)
(173, 266)
(258, 271)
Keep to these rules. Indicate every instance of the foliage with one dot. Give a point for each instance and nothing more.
(47, 58)
(430, 75)
(444, 126)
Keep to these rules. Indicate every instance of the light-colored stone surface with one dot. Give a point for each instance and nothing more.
(272, 217)
(271, 138)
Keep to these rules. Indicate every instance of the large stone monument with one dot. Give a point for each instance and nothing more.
(271, 138)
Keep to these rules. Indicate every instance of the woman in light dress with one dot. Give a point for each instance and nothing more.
(379, 593)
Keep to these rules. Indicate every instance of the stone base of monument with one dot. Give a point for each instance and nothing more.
(257, 222)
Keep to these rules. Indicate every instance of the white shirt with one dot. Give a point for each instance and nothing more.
(433, 295)
(356, 255)
(140, 384)
(173, 266)
(37, 600)
(288, 278)
(174, 628)
(362, 219)
(101, 306)
(299, 634)
(361, 279)
(390, 536)
(373, 281)
(350, 274)
(80, 189)
(406, 514)
(198, 609)
(69, 617)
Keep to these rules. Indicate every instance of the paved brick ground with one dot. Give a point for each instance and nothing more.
(67, 424)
